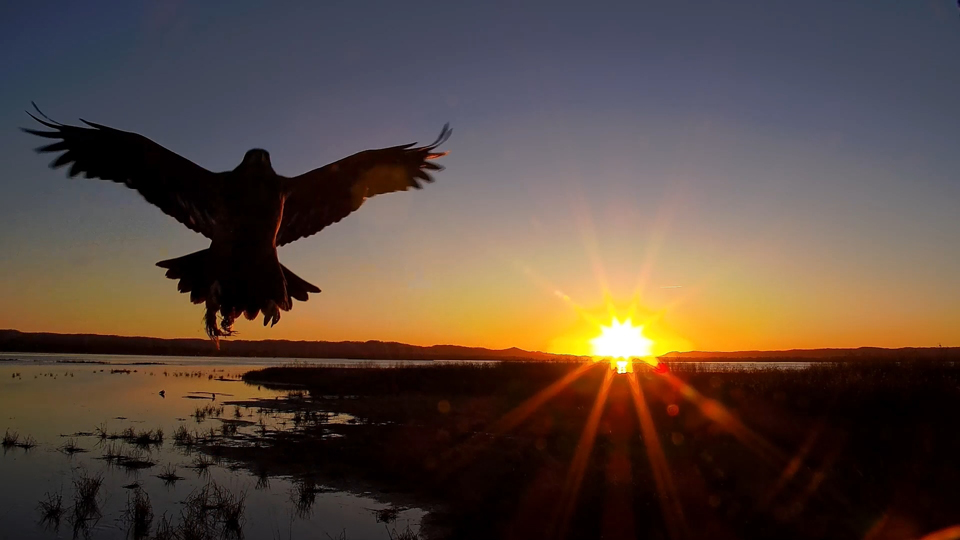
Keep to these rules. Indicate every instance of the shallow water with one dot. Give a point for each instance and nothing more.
(56, 403)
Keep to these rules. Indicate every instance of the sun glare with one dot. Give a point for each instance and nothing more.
(622, 341)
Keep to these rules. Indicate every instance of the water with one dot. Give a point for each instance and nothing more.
(56, 403)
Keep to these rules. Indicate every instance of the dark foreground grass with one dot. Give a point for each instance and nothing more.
(865, 450)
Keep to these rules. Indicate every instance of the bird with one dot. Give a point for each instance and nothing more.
(247, 212)
(163, 394)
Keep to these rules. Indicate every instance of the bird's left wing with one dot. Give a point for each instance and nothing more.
(180, 188)
(326, 195)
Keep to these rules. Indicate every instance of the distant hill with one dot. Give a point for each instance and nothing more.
(861, 353)
(16, 341)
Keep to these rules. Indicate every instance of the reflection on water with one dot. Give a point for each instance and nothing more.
(93, 420)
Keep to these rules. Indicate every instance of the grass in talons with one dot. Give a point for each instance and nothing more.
(51, 509)
(138, 514)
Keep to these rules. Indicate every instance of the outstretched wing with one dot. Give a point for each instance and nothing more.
(326, 195)
(179, 187)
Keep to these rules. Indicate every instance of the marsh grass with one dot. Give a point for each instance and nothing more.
(135, 459)
(10, 439)
(71, 448)
(864, 432)
(86, 504)
(405, 534)
(138, 514)
(201, 465)
(208, 410)
(148, 438)
(182, 437)
(169, 475)
(112, 451)
(26, 443)
(212, 512)
(51, 509)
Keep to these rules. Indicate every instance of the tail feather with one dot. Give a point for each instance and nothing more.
(297, 287)
(247, 290)
(195, 273)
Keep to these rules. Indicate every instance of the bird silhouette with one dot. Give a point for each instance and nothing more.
(246, 212)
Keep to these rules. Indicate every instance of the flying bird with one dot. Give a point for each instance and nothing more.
(247, 213)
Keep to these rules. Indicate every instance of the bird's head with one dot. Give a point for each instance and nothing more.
(257, 159)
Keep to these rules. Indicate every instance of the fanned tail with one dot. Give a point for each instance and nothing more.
(231, 291)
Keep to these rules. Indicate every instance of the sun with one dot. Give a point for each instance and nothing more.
(622, 341)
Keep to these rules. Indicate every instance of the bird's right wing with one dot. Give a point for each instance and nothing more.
(180, 188)
(326, 195)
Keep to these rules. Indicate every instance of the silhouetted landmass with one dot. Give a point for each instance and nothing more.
(807, 355)
(44, 342)
(16, 341)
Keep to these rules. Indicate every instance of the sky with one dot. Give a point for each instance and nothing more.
(744, 175)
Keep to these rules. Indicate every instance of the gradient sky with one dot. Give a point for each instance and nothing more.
(761, 174)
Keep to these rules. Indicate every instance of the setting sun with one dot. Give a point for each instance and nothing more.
(622, 340)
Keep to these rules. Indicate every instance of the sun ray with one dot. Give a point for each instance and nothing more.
(662, 477)
(578, 466)
(715, 411)
(515, 417)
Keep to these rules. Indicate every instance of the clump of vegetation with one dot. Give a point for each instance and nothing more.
(406, 534)
(10, 439)
(112, 451)
(386, 515)
(71, 448)
(169, 475)
(212, 512)
(135, 459)
(123, 371)
(211, 410)
(27, 443)
(86, 506)
(138, 513)
(165, 529)
(228, 429)
(51, 508)
(182, 437)
(147, 438)
(201, 464)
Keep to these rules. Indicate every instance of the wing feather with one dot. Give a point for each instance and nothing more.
(326, 195)
(180, 188)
